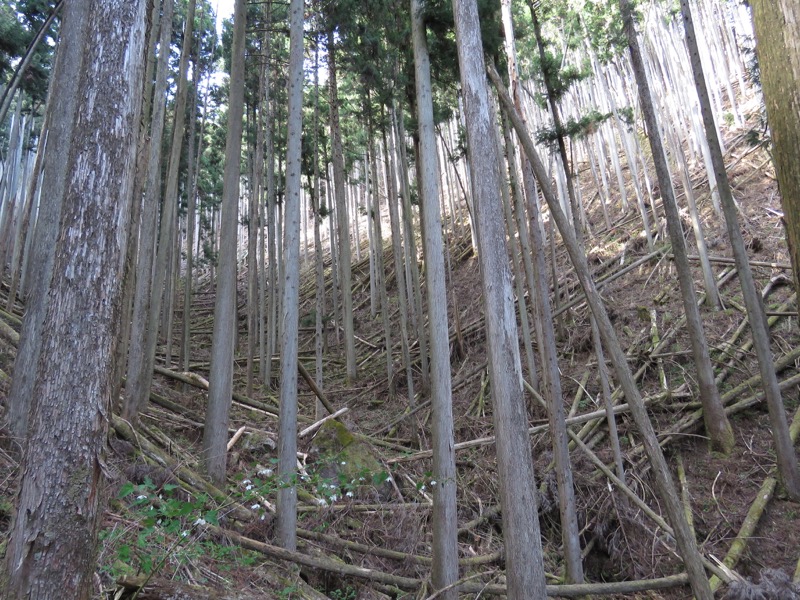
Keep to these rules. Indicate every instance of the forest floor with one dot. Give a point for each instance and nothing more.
(364, 488)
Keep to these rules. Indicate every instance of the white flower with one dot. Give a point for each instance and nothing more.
(349, 494)
(322, 502)
(248, 488)
(246, 481)
(255, 507)
(200, 521)
(141, 497)
(344, 463)
(422, 489)
(184, 533)
(334, 498)
(263, 517)
(265, 472)
(433, 483)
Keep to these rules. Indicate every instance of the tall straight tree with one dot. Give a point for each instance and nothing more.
(756, 315)
(61, 109)
(341, 214)
(716, 421)
(524, 564)
(215, 433)
(140, 369)
(445, 523)
(777, 27)
(287, 458)
(60, 501)
(169, 206)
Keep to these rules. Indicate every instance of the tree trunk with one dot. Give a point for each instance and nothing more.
(717, 425)
(341, 216)
(445, 525)
(777, 27)
(61, 110)
(137, 386)
(784, 449)
(687, 545)
(524, 566)
(287, 442)
(570, 534)
(215, 434)
(60, 502)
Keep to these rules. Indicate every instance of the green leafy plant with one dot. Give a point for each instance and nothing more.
(348, 593)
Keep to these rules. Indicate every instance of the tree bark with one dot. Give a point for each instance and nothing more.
(445, 524)
(341, 216)
(60, 502)
(524, 563)
(777, 28)
(140, 369)
(215, 434)
(287, 442)
(61, 109)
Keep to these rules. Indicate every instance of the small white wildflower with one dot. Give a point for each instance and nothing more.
(389, 478)
(433, 483)
(200, 521)
(422, 489)
(184, 533)
(334, 498)
(248, 488)
(141, 497)
(265, 472)
(255, 507)
(344, 463)
(321, 502)
(349, 494)
(246, 481)
(360, 479)
(263, 517)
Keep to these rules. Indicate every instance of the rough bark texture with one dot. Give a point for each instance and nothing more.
(51, 551)
(215, 434)
(445, 525)
(61, 121)
(777, 27)
(287, 443)
(524, 567)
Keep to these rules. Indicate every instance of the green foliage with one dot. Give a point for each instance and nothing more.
(19, 23)
(166, 521)
(573, 128)
(348, 593)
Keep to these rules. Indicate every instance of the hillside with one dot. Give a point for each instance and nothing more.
(364, 483)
